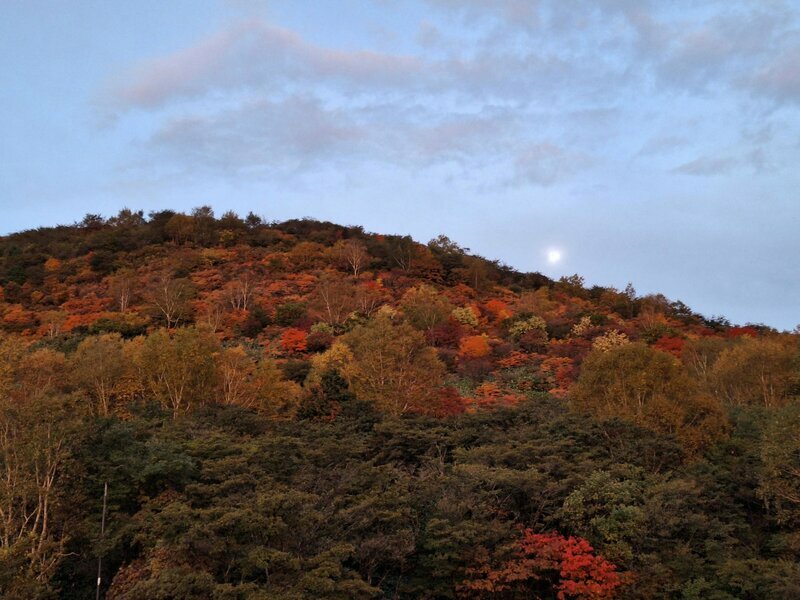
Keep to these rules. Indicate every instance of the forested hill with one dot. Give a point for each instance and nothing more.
(306, 410)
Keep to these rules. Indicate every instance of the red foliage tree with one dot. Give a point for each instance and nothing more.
(735, 332)
(446, 335)
(514, 359)
(670, 345)
(549, 562)
(17, 318)
(560, 373)
(450, 403)
(294, 340)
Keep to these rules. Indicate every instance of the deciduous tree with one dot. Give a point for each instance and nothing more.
(171, 298)
(353, 254)
(36, 427)
(650, 388)
(757, 371)
(547, 563)
(97, 367)
(425, 308)
(179, 369)
(779, 483)
(474, 346)
(392, 366)
(333, 300)
(294, 340)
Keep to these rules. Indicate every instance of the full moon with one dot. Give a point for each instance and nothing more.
(553, 256)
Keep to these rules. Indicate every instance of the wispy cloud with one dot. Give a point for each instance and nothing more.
(546, 164)
(300, 133)
(255, 55)
(779, 77)
(706, 165)
(535, 89)
(522, 13)
(662, 144)
(262, 136)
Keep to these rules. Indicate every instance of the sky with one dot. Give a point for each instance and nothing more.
(656, 143)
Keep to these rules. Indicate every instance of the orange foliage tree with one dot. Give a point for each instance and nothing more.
(498, 309)
(474, 346)
(560, 372)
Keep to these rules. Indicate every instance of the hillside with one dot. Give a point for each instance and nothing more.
(308, 410)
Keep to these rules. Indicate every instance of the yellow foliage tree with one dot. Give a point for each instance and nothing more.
(274, 396)
(392, 366)
(609, 341)
(260, 385)
(651, 388)
(179, 369)
(335, 358)
(37, 422)
(756, 371)
(425, 308)
(98, 367)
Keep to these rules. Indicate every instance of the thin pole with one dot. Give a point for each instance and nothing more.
(102, 535)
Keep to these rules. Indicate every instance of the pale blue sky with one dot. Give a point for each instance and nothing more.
(651, 142)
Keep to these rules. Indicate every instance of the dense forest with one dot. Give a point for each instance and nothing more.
(307, 410)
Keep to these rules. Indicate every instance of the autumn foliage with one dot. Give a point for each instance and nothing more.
(498, 309)
(308, 410)
(543, 562)
(294, 340)
(474, 346)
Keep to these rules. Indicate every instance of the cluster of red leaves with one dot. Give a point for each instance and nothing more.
(671, 345)
(515, 359)
(17, 318)
(449, 403)
(561, 373)
(552, 562)
(490, 395)
(294, 340)
(735, 332)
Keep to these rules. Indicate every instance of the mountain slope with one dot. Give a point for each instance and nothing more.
(306, 410)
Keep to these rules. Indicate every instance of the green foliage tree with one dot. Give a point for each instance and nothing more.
(608, 510)
(37, 429)
(779, 483)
